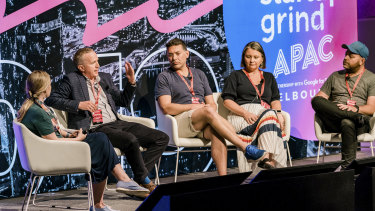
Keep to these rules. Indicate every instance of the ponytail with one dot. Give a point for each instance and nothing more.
(36, 83)
(24, 108)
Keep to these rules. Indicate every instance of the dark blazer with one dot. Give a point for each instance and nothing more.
(72, 89)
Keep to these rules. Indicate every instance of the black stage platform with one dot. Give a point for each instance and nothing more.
(78, 198)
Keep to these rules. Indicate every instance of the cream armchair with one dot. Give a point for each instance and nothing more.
(168, 125)
(42, 157)
(336, 137)
(63, 119)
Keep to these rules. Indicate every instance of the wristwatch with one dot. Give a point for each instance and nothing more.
(357, 108)
(278, 111)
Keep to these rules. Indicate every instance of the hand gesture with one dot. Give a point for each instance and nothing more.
(129, 73)
(87, 106)
(74, 133)
(80, 136)
(250, 118)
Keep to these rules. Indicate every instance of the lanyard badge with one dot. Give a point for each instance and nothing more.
(97, 116)
(194, 99)
(351, 102)
(262, 102)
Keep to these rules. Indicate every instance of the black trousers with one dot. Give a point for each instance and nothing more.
(338, 121)
(128, 137)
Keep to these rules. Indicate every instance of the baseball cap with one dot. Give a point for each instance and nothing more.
(357, 48)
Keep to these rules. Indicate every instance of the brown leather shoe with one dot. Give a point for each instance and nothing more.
(150, 186)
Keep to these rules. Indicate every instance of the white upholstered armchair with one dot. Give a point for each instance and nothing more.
(63, 119)
(42, 157)
(336, 137)
(168, 125)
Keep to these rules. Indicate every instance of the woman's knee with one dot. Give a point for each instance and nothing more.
(101, 136)
(98, 138)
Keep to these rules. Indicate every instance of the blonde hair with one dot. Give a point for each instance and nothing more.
(36, 84)
(255, 46)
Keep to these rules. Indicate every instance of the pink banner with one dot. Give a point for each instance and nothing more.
(93, 32)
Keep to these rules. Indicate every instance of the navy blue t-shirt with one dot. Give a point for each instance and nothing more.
(170, 83)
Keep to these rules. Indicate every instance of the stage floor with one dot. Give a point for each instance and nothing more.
(78, 198)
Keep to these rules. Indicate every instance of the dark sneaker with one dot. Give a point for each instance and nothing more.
(131, 188)
(150, 186)
(363, 120)
(253, 153)
(265, 164)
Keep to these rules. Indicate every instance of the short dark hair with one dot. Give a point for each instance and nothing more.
(176, 41)
(255, 46)
(78, 55)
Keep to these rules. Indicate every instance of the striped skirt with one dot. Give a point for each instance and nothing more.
(265, 133)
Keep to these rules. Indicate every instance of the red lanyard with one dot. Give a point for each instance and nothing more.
(93, 93)
(355, 84)
(191, 86)
(256, 87)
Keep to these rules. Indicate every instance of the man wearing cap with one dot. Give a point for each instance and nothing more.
(346, 101)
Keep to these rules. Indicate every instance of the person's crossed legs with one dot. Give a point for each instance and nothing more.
(221, 129)
(345, 122)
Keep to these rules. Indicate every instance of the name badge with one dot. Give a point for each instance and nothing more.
(97, 117)
(350, 102)
(264, 104)
(195, 100)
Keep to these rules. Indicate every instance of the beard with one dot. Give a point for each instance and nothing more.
(351, 68)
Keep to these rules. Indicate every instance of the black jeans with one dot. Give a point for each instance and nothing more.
(338, 121)
(128, 136)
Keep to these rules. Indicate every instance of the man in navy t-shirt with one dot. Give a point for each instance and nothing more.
(184, 92)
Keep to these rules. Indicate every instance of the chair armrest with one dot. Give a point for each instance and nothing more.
(141, 120)
(318, 124)
(62, 116)
(221, 109)
(51, 157)
(372, 127)
(174, 127)
(287, 125)
(168, 125)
